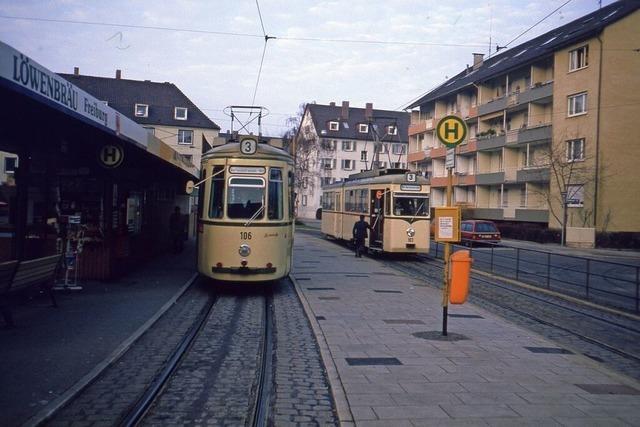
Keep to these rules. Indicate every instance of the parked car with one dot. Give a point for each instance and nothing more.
(476, 231)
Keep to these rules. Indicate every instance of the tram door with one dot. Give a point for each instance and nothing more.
(376, 219)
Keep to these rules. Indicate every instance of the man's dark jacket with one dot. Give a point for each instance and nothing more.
(360, 230)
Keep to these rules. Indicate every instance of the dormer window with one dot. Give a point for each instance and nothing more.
(142, 110)
(392, 130)
(180, 113)
(334, 125)
(363, 128)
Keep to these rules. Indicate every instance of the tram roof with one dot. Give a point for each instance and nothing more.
(232, 149)
(391, 178)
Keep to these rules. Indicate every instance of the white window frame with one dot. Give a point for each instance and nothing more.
(363, 128)
(398, 149)
(180, 117)
(392, 130)
(334, 126)
(571, 150)
(15, 165)
(327, 163)
(579, 58)
(348, 146)
(571, 104)
(363, 155)
(185, 131)
(574, 190)
(345, 162)
(304, 200)
(150, 129)
(384, 148)
(146, 110)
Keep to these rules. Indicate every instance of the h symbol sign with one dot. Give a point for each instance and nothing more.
(110, 155)
(451, 130)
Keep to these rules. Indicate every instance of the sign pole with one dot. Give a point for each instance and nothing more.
(447, 255)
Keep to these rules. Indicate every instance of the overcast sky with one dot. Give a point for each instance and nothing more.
(215, 70)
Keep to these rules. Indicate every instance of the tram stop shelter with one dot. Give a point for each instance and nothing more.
(88, 182)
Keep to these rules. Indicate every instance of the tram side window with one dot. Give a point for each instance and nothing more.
(276, 208)
(245, 198)
(203, 176)
(292, 195)
(348, 200)
(216, 197)
(363, 201)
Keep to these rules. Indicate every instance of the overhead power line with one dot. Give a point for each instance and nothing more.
(536, 24)
(238, 34)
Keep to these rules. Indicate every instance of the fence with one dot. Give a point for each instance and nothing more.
(604, 282)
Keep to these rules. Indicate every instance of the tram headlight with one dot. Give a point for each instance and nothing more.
(411, 232)
(244, 250)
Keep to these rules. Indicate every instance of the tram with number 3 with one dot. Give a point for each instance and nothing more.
(245, 212)
(395, 202)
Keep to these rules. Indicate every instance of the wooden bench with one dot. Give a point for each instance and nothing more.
(17, 277)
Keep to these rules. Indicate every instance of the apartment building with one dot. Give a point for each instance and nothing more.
(550, 124)
(161, 108)
(334, 142)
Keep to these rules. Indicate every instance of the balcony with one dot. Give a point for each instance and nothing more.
(540, 133)
(490, 142)
(487, 213)
(464, 179)
(438, 181)
(416, 156)
(536, 93)
(470, 147)
(490, 178)
(532, 215)
(420, 127)
(438, 152)
(493, 106)
(533, 175)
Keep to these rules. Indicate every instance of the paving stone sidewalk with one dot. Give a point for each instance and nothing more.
(379, 326)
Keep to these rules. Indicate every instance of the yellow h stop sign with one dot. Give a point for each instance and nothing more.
(451, 130)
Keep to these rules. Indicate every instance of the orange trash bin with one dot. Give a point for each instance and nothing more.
(460, 271)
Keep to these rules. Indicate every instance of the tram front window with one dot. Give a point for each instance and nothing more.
(410, 205)
(216, 199)
(245, 198)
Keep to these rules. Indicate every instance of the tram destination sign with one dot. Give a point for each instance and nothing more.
(451, 131)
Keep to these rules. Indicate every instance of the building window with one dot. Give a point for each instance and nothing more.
(150, 129)
(348, 165)
(188, 158)
(392, 130)
(304, 200)
(505, 198)
(398, 148)
(348, 146)
(363, 128)
(575, 196)
(10, 165)
(185, 137)
(327, 163)
(327, 180)
(142, 110)
(384, 148)
(578, 58)
(575, 150)
(577, 104)
(180, 113)
(334, 125)
(363, 155)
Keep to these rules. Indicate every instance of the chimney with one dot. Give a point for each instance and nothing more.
(478, 59)
(118, 74)
(344, 115)
(368, 111)
(76, 71)
(332, 104)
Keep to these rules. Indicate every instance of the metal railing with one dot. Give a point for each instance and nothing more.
(608, 283)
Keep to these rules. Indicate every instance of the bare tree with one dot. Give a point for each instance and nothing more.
(571, 175)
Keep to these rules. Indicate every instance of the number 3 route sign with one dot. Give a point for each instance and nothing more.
(451, 130)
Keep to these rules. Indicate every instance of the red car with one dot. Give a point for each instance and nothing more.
(476, 231)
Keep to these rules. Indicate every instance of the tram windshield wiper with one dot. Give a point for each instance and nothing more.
(417, 211)
(255, 215)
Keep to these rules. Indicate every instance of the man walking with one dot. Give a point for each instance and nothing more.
(359, 234)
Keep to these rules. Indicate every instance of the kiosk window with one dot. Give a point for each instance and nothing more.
(276, 206)
(245, 198)
(216, 198)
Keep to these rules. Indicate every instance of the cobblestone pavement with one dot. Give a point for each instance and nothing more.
(215, 381)
(301, 389)
(108, 399)
(558, 316)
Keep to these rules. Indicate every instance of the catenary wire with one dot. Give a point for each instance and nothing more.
(540, 21)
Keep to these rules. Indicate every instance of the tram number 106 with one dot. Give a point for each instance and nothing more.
(245, 235)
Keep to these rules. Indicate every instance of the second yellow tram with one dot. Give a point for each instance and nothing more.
(395, 202)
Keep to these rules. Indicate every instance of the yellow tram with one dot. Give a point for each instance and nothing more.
(245, 212)
(394, 202)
